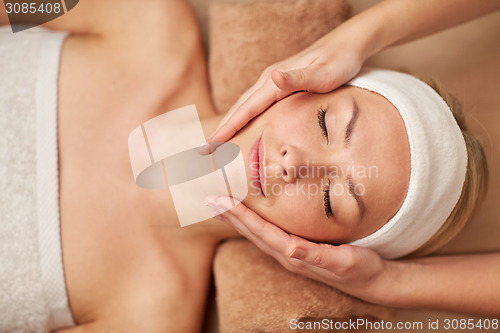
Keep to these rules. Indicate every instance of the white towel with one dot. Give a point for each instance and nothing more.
(33, 292)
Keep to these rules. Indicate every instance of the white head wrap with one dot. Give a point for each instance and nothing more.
(438, 162)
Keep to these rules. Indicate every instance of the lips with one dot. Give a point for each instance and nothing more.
(262, 174)
(256, 165)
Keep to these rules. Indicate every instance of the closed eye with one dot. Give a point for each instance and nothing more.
(326, 200)
(321, 122)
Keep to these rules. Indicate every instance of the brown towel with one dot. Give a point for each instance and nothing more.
(254, 293)
(246, 37)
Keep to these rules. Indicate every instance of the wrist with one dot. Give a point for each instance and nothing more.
(374, 29)
(353, 38)
(370, 35)
(395, 284)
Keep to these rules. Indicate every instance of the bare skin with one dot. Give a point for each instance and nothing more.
(127, 264)
(123, 272)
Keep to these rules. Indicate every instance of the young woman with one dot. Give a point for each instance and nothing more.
(127, 266)
(325, 65)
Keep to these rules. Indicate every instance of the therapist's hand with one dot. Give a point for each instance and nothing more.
(338, 56)
(321, 68)
(355, 270)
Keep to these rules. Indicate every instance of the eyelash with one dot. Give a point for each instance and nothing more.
(321, 122)
(326, 191)
(326, 200)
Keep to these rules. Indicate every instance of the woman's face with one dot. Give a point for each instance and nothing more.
(327, 167)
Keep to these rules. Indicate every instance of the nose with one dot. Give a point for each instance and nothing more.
(294, 163)
(297, 163)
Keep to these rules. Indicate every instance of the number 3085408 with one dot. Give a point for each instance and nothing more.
(32, 8)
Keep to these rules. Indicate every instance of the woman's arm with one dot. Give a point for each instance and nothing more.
(337, 57)
(467, 283)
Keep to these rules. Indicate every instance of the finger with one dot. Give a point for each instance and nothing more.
(208, 148)
(251, 107)
(249, 92)
(323, 262)
(325, 256)
(265, 76)
(256, 103)
(259, 231)
(263, 246)
(313, 78)
(254, 226)
(291, 80)
(236, 106)
(232, 110)
(265, 235)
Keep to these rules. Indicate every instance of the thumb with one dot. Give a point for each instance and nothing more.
(324, 256)
(311, 78)
(292, 80)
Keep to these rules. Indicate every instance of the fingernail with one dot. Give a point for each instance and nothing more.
(203, 149)
(297, 253)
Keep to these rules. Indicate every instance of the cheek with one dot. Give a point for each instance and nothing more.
(295, 215)
(296, 132)
(292, 125)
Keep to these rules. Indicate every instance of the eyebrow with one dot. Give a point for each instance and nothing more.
(349, 129)
(352, 191)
